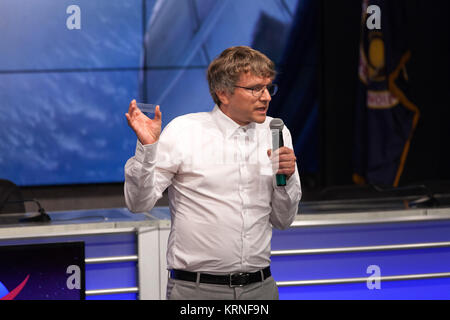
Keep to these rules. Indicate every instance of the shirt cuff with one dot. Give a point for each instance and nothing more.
(291, 187)
(146, 153)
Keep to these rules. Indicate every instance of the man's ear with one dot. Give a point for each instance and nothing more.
(223, 97)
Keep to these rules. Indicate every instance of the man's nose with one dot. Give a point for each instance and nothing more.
(265, 96)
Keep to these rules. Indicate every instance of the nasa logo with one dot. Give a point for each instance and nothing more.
(5, 295)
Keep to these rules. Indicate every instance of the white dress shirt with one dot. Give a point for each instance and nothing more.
(223, 196)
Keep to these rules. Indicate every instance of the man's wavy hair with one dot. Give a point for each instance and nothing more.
(224, 71)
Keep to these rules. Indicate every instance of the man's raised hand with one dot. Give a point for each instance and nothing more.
(147, 130)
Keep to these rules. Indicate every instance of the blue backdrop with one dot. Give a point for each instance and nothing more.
(64, 92)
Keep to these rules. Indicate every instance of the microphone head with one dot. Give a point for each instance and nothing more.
(276, 124)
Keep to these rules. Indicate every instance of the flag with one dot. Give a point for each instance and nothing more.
(385, 119)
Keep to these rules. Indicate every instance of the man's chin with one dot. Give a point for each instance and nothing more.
(259, 118)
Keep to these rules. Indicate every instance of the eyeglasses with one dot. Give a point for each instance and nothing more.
(257, 91)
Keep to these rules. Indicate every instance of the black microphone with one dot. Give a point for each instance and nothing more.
(42, 217)
(276, 127)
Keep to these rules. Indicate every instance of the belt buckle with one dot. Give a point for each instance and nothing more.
(242, 278)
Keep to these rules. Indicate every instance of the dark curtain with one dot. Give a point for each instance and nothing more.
(427, 71)
(297, 101)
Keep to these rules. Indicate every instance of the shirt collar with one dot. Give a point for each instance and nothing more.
(227, 126)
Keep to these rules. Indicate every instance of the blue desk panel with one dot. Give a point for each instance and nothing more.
(98, 275)
(355, 264)
(425, 289)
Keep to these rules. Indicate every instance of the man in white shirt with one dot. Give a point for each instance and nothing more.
(220, 174)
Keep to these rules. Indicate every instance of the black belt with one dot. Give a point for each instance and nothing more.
(238, 279)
